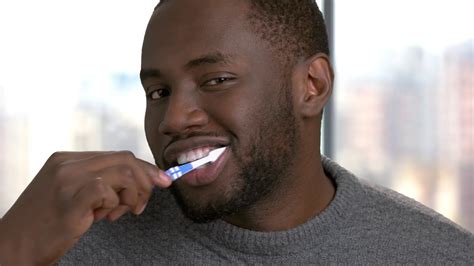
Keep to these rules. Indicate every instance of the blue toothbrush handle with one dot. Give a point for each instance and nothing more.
(178, 171)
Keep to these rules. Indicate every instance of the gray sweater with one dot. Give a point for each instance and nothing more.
(364, 224)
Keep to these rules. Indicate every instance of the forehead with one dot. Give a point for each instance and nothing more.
(181, 30)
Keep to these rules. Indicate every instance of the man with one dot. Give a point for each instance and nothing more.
(252, 76)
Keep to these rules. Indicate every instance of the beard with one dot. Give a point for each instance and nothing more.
(263, 165)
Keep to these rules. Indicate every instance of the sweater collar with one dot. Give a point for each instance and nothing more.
(304, 236)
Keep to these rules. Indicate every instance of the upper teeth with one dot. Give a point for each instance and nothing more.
(193, 155)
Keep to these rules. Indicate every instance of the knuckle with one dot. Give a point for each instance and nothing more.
(127, 155)
(145, 193)
(129, 194)
(126, 171)
(144, 197)
(62, 170)
(114, 201)
(99, 188)
(147, 190)
(56, 157)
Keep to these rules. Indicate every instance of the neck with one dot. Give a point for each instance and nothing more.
(301, 196)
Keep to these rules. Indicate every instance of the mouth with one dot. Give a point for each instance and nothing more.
(191, 149)
(194, 154)
(208, 173)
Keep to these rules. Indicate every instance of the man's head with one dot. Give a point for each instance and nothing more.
(249, 75)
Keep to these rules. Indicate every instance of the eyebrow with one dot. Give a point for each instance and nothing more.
(208, 59)
(149, 73)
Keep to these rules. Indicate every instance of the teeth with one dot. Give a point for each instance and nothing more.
(181, 158)
(191, 156)
(199, 154)
(194, 155)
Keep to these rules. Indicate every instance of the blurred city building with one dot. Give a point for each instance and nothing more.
(409, 125)
(457, 107)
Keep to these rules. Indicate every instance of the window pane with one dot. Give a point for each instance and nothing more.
(404, 99)
(68, 81)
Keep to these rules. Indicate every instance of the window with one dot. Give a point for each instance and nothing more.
(66, 83)
(402, 108)
(404, 103)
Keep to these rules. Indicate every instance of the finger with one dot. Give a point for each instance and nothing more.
(129, 197)
(124, 158)
(123, 181)
(145, 185)
(142, 173)
(117, 212)
(111, 200)
(101, 214)
(94, 195)
(107, 205)
(121, 170)
(159, 177)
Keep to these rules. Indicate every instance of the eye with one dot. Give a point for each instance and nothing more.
(158, 94)
(217, 81)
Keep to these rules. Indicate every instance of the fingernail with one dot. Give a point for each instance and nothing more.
(142, 209)
(165, 177)
(161, 178)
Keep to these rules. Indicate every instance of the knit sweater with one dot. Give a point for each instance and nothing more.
(364, 224)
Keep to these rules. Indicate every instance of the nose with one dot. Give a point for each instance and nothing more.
(183, 115)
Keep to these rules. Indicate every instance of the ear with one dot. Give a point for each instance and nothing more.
(314, 84)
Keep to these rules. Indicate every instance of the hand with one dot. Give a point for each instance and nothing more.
(71, 191)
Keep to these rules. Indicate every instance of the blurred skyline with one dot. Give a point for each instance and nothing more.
(404, 99)
(414, 133)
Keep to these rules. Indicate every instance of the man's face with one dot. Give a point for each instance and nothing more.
(212, 83)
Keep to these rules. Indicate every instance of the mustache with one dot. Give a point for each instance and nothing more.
(194, 134)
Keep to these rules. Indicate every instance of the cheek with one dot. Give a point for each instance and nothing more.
(152, 123)
(242, 114)
(234, 111)
(148, 125)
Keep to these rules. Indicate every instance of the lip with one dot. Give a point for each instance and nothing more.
(207, 174)
(174, 149)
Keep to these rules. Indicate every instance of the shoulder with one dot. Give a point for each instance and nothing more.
(381, 219)
(409, 213)
(415, 227)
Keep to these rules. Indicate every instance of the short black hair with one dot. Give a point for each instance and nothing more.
(294, 28)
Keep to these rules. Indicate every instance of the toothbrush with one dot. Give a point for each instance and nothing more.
(180, 170)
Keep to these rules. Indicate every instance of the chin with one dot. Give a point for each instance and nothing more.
(208, 203)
